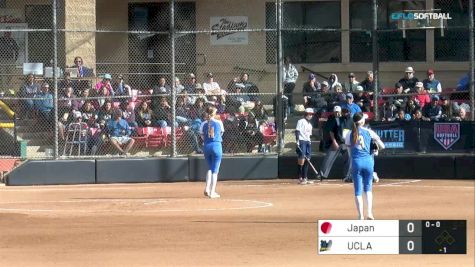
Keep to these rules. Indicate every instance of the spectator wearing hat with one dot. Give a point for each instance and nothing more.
(351, 85)
(333, 140)
(106, 82)
(431, 84)
(432, 111)
(409, 80)
(368, 83)
(362, 99)
(119, 132)
(422, 98)
(179, 88)
(290, 76)
(312, 95)
(447, 108)
(210, 86)
(352, 107)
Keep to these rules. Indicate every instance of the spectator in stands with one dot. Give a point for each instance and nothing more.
(235, 100)
(143, 115)
(120, 88)
(290, 76)
(456, 107)
(182, 111)
(362, 99)
(259, 112)
(162, 88)
(368, 83)
(411, 106)
(29, 90)
(249, 87)
(431, 84)
(89, 114)
(102, 95)
(352, 107)
(68, 82)
(432, 111)
(84, 97)
(119, 132)
(388, 111)
(128, 115)
(191, 90)
(417, 115)
(231, 135)
(210, 86)
(462, 115)
(422, 98)
(400, 101)
(333, 82)
(67, 102)
(190, 86)
(106, 82)
(401, 116)
(446, 106)
(83, 71)
(197, 111)
(44, 104)
(409, 81)
(311, 93)
(352, 84)
(249, 130)
(105, 114)
(179, 88)
(162, 113)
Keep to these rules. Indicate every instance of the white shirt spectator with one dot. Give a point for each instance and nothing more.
(290, 74)
(212, 88)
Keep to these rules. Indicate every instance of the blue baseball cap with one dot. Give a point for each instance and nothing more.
(349, 95)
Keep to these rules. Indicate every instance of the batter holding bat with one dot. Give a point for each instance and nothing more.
(303, 131)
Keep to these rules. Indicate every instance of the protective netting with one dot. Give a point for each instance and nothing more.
(118, 61)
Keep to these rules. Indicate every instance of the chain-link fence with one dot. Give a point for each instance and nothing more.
(71, 71)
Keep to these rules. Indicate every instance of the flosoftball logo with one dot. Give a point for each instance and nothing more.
(419, 16)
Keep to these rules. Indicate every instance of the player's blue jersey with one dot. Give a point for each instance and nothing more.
(362, 147)
(212, 131)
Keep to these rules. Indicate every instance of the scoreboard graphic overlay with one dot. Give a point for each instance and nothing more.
(392, 237)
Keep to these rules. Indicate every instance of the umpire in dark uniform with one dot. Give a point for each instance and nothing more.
(334, 131)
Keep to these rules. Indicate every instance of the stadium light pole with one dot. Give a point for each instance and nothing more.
(172, 73)
(375, 60)
(279, 104)
(471, 53)
(55, 78)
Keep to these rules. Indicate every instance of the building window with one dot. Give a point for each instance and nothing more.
(454, 45)
(392, 45)
(304, 45)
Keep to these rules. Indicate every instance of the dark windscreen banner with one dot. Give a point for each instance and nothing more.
(402, 137)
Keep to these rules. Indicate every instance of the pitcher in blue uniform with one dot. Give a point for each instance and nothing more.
(359, 142)
(212, 132)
